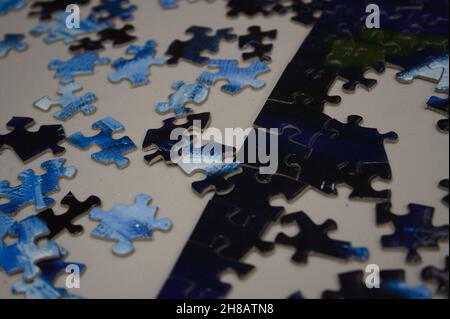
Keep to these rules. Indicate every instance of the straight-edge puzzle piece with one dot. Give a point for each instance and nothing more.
(412, 231)
(12, 42)
(392, 286)
(48, 8)
(29, 145)
(70, 103)
(7, 5)
(444, 184)
(137, 69)
(80, 64)
(108, 10)
(439, 105)
(314, 238)
(64, 222)
(125, 223)
(191, 50)
(112, 150)
(35, 188)
(432, 273)
(185, 93)
(238, 78)
(255, 39)
(25, 253)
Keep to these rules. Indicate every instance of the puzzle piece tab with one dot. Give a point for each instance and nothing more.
(255, 39)
(12, 42)
(438, 275)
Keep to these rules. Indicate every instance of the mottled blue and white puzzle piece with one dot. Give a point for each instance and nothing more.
(238, 78)
(80, 64)
(125, 223)
(35, 189)
(70, 103)
(112, 150)
(441, 63)
(12, 42)
(137, 69)
(8, 5)
(25, 253)
(196, 93)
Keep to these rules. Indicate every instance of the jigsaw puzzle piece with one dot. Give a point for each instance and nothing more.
(412, 231)
(444, 184)
(8, 5)
(108, 10)
(12, 42)
(29, 145)
(439, 105)
(48, 8)
(125, 223)
(238, 78)
(438, 275)
(196, 93)
(70, 103)
(64, 222)
(251, 7)
(255, 39)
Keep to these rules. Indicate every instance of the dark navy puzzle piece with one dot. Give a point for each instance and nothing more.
(111, 9)
(48, 8)
(440, 276)
(12, 42)
(251, 7)
(201, 41)
(28, 145)
(392, 286)
(439, 105)
(314, 238)
(117, 37)
(255, 39)
(412, 231)
(444, 185)
(64, 222)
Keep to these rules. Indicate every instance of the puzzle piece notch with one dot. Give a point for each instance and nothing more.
(125, 223)
(255, 39)
(137, 69)
(8, 5)
(109, 10)
(70, 103)
(440, 105)
(412, 231)
(12, 42)
(29, 145)
(314, 238)
(35, 189)
(64, 222)
(112, 150)
(438, 275)
(238, 78)
(48, 8)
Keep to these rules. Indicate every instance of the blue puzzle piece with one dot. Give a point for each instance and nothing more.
(112, 149)
(70, 103)
(168, 4)
(7, 5)
(42, 286)
(136, 70)
(12, 42)
(34, 189)
(25, 253)
(125, 223)
(196, 93)
(237, 77)
(115, 9)
(440, 105)
(58, 30)
(80, 64)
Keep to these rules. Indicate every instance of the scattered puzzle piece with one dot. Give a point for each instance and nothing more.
(48, 8)
(12, 42)
(439, 105)
(438, 275)
(28, 145)
(112, 149)
(70, 103)
(137, 69)
(251, 7)
(412, 231)
(125, 223)
(114, 9)
(238, 78)
(7, 5)
(192, 49)
(255, 39)
(80, 64)
(444, 184)
(64, 222)
(185, 93)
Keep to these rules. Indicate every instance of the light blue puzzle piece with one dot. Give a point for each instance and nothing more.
(25, 253)
(238, 78)
(137, 69)
(58, 30)
(7, 5)
(70, 103)
(112, 149)
(12, 42)
(185, 93)
(34, 189)
(125, 223)
(80, 64)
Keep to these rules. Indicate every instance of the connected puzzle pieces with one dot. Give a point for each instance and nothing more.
(70, 103)
(314, 238)
(125, 223)
(185, 93)
(412, 231)
(201, 41)
(112, 149)
(12, 42)
(35, 188)
(28, 145)
(136, 70)
(238, 78)
(432, 273)
(8, 5)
